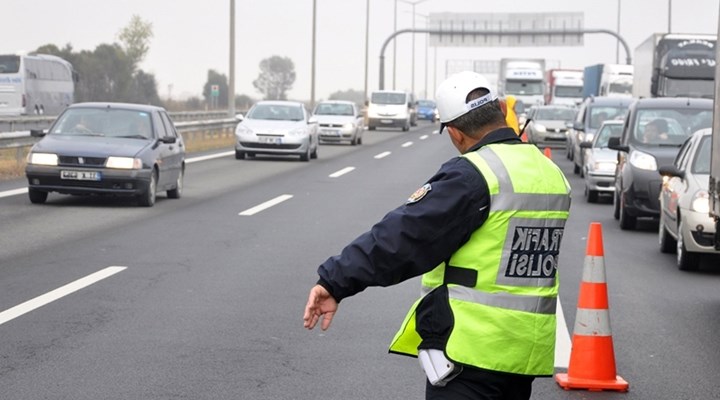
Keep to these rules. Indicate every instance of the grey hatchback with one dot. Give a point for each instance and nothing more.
(108, 149)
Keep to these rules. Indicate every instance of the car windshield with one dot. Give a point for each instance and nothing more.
(523, 87)
(606, 132)
(568, 91)
(276, 112)
(701, 163)
(388, 98)
(600, 114)
(333, 109)
(554, 114)
(426, 103)
(669, 127)
(108, 122)
(621, 88)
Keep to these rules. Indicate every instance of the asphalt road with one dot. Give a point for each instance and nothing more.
(207, 303)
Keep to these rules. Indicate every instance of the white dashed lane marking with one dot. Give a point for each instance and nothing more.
(266, 205)
(341, 172)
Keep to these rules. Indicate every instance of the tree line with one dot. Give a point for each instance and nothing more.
(111, 72)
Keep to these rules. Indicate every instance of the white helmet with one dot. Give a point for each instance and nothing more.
(451, 95)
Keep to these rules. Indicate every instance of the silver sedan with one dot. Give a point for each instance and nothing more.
(600, 161)
(279, 128)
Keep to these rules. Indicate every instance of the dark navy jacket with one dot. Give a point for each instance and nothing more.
(416, 237)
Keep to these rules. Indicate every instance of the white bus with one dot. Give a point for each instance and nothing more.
(35, 84)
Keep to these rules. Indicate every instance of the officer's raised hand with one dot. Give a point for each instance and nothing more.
(320, 304)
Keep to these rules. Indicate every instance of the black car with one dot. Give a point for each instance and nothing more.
(108, 149)
(653, 132)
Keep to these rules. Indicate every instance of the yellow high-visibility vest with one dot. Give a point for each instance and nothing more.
(506, 320)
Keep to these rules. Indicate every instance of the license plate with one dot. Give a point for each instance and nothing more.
(331, 132)
(271, 140)
(386, 121)
(81, 175)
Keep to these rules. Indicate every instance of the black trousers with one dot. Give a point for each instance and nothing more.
(475, 384)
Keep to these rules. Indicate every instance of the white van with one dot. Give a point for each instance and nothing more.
(391, 109)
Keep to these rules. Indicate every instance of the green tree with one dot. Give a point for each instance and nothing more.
(135, 38)
(244, 102)
(277, 75)
(216, 78)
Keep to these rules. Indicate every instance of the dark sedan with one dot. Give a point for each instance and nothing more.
(108, 149)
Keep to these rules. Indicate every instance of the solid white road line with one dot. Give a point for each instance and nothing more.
(383, 155)
(341, 172)
(563, 344)
(407, 144)
(13, 192)
(436, 132)
(208, 157)
(266, 205)
(58, 293)
(423, 137)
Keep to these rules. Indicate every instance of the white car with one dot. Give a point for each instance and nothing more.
(339, 121)
(278, 128)
(600, 161)
(686, 227)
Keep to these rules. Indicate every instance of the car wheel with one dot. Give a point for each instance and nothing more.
(616, 206)
(576, 169)
(686, 260)
(314, 153)
(371, 128)
(37, 196)
(239, 155)
(354, 141)
(176, 193)
(305, 156)
(627, 221)
(406, 128)
(591, 195)
(147, 199)
(359, 139)
(667, 242)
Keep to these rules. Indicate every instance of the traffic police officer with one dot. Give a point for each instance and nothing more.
(485, 234)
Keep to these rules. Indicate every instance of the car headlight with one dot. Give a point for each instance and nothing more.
(43, 159)
(123, 163)
(604, 166)
(298, 132)
(641, 160)
(349, 125)
(539, 128)
(701, 202)
(243, 130)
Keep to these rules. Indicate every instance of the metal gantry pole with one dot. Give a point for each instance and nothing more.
(312, 67)
(231, 73)
(367, 45)
(395, 47)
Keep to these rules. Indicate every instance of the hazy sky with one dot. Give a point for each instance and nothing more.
(192, 36)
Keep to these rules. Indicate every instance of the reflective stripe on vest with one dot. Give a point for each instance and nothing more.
(506, 321)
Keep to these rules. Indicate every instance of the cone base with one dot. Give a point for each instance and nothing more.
(567, 383)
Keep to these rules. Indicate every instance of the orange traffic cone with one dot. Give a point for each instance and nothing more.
(592, 359)
(548, 153)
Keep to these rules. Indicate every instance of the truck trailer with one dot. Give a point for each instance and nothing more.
(609, 80)
(675, 65)
(564, 87)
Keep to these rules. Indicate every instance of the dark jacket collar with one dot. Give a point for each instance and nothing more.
(502, 135)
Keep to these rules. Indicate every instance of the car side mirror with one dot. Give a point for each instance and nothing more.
(614, 144)
(313, 120)
(672, 171)
(569, 124)
(168, 139)
(578, 126)
(37, 133)
(239, 117)
(585, 145)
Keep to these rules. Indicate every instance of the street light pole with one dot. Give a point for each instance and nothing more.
(312, 68)
(367, 45)
(669, 16)
(231, 73)
(395, 46)
(412, 74)
(617, 43)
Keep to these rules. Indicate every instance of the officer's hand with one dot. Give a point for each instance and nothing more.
(320, 303)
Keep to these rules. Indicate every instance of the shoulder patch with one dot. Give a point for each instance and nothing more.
(419, 194)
